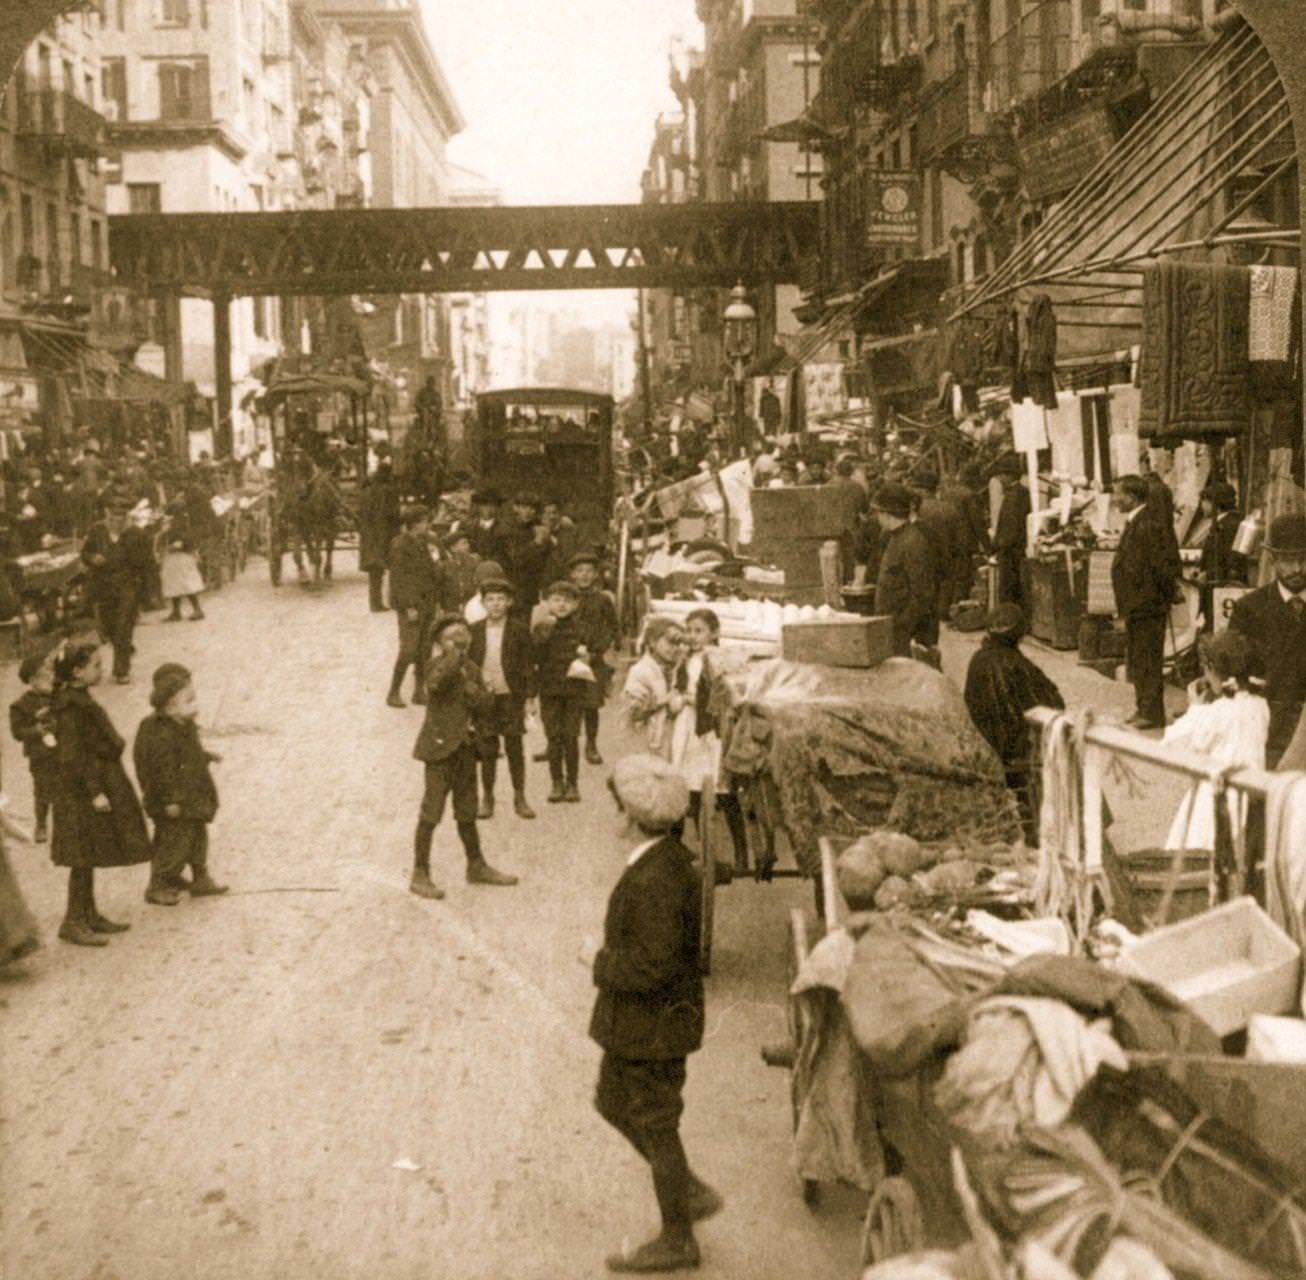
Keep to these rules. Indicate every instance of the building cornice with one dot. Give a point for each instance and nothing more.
(166, 135)
(404, 28)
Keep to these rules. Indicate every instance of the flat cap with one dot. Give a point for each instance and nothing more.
(651, 791)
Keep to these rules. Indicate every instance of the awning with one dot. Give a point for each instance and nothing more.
(801, 129)
(1222, 126)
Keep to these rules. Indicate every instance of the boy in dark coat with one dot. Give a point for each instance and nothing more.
(177, 788)
(648, 1014)
(501, 649)
(456, 704)
(416, 586)
(560, 641)
(1001, 685)
(31, 721)
(598, 618)
(907, 589)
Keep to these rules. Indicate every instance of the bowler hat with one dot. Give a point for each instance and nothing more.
(1287, 535)
(488, 571)
(1006, 619)
(1221, 494)
(893, 499)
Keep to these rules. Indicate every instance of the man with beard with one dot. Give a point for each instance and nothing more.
(1273, 620)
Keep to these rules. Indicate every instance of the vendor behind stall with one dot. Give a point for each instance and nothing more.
(1009, 532)
(907, 588)
(1001, 685)
(1220, 562)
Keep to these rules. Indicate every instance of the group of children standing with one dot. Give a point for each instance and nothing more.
(86, 804)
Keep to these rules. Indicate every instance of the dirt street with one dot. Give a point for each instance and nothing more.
(322, 1076)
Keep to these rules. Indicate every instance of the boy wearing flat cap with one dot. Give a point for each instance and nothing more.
(648, 1014)
(598, 618)
(119, 579)
(564, 650)
(456, 704)
(177, 789)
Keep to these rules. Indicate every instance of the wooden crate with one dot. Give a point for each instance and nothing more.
(852, 642)
(1225, 964)
(801, 511)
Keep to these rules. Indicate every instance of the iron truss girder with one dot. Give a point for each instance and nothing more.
(352, 251)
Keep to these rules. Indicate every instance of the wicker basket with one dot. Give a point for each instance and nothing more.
(1149, 872)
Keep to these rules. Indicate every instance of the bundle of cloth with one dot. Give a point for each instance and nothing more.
(850, 750)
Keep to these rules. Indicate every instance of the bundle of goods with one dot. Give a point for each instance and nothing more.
(851, 750)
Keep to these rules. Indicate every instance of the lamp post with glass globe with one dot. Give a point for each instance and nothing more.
(740, 344)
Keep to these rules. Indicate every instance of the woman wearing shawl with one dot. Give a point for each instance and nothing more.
(1001, 685)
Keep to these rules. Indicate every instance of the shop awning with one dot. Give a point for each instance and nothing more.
(803, 129)
(1222, 127)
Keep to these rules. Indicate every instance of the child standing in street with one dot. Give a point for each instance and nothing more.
(179, 574)
(177, 785)
(562, 653)
(31, 721)
(598, 617)
(456, 703)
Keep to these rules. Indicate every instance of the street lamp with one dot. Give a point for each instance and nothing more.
(740, 343)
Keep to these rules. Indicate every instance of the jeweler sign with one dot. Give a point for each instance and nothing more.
(893, 209)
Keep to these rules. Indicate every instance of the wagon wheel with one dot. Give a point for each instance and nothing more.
(707, 878)
(894, 1222)
(799, 1018)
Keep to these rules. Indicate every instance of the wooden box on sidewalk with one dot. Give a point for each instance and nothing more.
(839, 642)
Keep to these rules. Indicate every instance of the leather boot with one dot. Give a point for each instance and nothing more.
(658, 1255)
(80, 934)
(101, 924)
(423, 886)
(520, 806)
(486, 809)
(480, 872)
(571, 794)
(203, 885)
(164, 897)
(557, 793)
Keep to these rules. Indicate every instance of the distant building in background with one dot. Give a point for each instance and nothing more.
(470, 313)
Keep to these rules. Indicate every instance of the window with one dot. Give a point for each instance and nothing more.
(53, 250)
(27, 214)
(88, 89)
(69, 78)
(895, 154)
(144, 197)
(113, 87)
(97, 244)
(913, 145)
(981, 257)
(960, 255)
(936, 207)
(174, 13)
(120, 14)
(260, 317)
(184, 90)
(75, 238)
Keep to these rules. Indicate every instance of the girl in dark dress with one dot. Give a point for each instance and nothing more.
(98, 820)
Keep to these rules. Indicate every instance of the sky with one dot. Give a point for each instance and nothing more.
(560, 97)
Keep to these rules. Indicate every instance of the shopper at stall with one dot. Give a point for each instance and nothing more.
(1226, 720)
(1002, 684)
(456, 702)
(1220, 562)
(119, 578)
(379, 524)
(1144, 573)
(695, 742)
(98, 820)
(1009, 533)
(941, 521)
(501, 650)
(651, 700)
(415, 589)
(907, 588)
(649, 1012)
(598, 619)
(1273, 620)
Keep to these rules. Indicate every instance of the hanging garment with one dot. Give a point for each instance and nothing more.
(1040, 361)
(1272, 290)
(1194, 368)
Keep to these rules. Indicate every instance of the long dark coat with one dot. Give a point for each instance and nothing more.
(90, 764)
(378, 521)
(172, 767)
(907, 588)
(1277, 638)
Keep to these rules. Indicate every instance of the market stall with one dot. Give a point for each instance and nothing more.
(1021, 1084)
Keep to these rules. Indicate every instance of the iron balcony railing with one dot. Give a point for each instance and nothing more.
(61, 121)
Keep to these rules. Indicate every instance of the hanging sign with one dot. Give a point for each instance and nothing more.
(1054, 158)
(893, 208)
